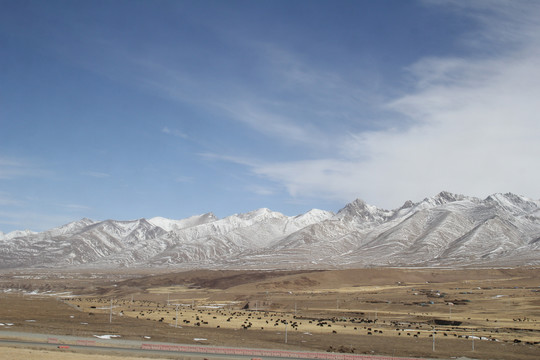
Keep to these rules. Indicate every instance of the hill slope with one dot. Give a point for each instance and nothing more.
(444, 230)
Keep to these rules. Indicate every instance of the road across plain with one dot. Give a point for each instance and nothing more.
(121, 351)
(132, 348)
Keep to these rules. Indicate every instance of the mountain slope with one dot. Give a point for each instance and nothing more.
(444, 230)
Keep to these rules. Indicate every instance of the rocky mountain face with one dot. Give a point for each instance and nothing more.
(444, 230)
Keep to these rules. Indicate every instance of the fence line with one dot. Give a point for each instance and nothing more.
(269, 353)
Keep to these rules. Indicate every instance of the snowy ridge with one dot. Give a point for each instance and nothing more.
(444, 230)
(14, 234)
(170, 225)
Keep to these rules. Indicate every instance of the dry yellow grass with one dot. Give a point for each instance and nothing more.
(31, 354)
(328, 309)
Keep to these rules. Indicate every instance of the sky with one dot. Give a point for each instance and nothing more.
(131, 109)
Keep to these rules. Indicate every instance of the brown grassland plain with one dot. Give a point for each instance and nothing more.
(383, 311)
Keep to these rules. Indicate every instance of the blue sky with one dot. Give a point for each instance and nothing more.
(131, 109)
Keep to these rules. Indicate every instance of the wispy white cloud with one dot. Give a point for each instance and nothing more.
(174, 132)
(96, 174)
(322, 178)
(299, 102)
(291, 100)
(261, 190)
(183, 179)
(504, 24)
(16, 213)
(75, 207)
(35, 221)
(272, 123)
(474, 129)
(7, 200)
(233, 159)
(12, 168)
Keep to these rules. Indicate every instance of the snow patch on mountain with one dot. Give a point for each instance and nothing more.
(15, 234)
(444, 230)
(172, 225)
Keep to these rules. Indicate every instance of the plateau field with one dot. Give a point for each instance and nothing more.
(429, 313)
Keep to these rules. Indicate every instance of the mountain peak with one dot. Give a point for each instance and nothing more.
(209, 215)
(359, 210)
(72, 226)
(442, 230)
(444, 197)
(15, 234)
(170, 225)
(315, 215)
(407, 205)
(514, 203)
(318, 212)
(260, 213)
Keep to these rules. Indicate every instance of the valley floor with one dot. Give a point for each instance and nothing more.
(435, 313)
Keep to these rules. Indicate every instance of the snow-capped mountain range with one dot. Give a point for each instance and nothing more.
(444, 230)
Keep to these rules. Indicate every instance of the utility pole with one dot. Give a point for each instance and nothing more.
(176, 318)
(472, 340)
(110, 313)
(286, 323)
(433, 335)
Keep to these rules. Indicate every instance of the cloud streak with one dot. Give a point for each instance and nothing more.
(96, 174)
(174, 132)
(36, 221)
(474, 129)
(7, 200)
(75, 207)
(468, 123)
(290, 101)
(12, 168)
